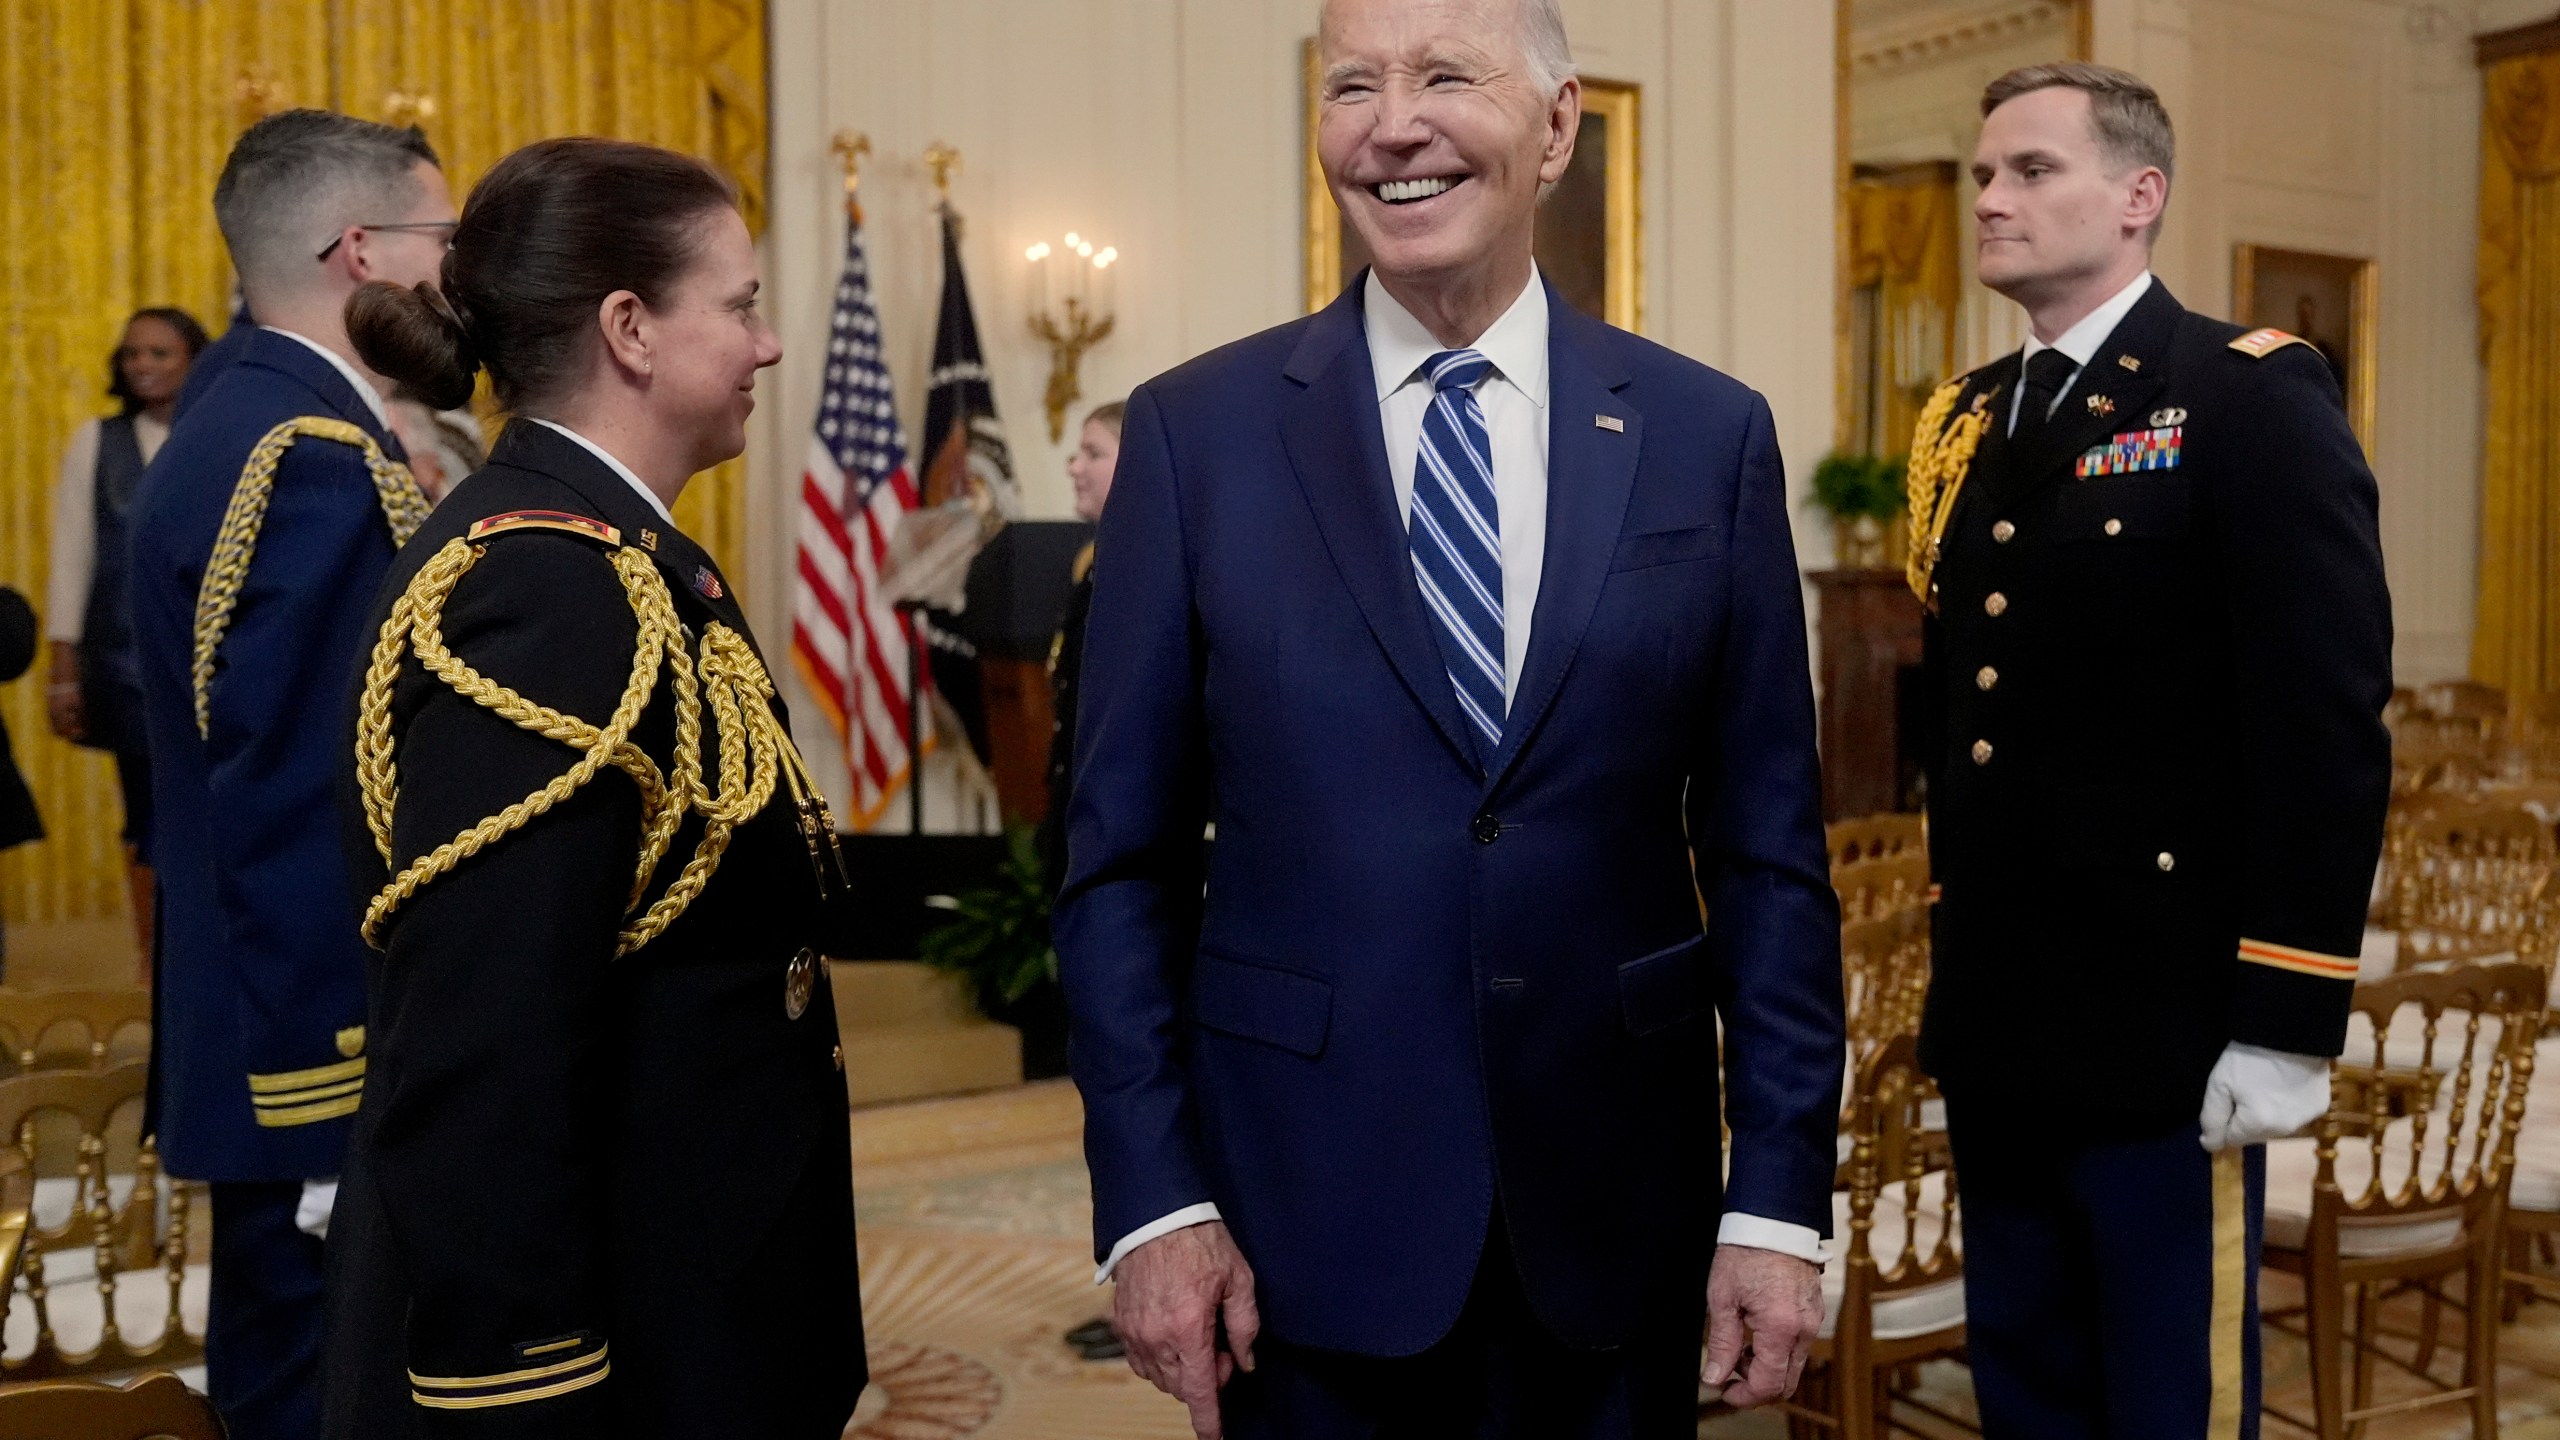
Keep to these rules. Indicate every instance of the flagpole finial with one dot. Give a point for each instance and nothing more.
(849, 147)
(942, 160)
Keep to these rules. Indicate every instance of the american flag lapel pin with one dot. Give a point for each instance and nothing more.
(1610, 423)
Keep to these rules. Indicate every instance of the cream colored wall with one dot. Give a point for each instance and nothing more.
(2353, 127)
(1172, 130)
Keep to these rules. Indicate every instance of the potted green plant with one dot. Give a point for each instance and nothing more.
(998, 937)
(1864, 496)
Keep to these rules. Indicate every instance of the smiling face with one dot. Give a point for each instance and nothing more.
(1097, 455)
(1435, 136)
(153, 360)
(706, 341)
(2055, 217)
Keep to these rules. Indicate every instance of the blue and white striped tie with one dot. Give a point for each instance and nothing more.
(1456, 533)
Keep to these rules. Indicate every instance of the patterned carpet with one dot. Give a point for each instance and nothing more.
(976, 1257)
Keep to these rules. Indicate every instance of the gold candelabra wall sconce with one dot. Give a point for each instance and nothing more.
(1073, 310)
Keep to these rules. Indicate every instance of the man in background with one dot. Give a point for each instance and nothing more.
(248, 626)
(2157, 651)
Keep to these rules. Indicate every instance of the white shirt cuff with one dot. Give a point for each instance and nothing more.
(1801, 1241)
(1182, 1219)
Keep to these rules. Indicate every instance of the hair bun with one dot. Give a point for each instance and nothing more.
(417, 339)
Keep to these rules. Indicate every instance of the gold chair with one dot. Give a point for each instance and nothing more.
(1872, 889)
(2468, 881)
(2403, 1185)
(2465, 700)
(1894, 1295)
(1875, 837)
(159, 1406)
(29, 1019)
(103, 1242)
(1884, 972)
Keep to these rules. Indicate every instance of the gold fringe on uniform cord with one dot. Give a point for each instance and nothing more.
(404, 506)
(754, 749)
(1941, 454)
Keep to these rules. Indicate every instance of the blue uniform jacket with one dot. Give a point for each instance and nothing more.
(1410, 984)
(258, 1034)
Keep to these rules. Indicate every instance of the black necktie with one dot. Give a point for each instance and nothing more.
(2047, 374)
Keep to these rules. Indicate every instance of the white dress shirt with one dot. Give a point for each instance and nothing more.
(2081, 343)
(616, 466)
(365, 392)
(74, 556)
(1513, 396)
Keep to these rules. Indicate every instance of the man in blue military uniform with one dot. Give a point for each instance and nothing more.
(2158, 648)
(260, 533)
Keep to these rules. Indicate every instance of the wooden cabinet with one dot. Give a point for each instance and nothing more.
(1869, 632)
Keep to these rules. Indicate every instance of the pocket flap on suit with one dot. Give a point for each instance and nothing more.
(1662, 989)
(1276, 1007)
(1668, 547)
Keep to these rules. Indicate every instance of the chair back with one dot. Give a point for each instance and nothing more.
(30, 1020)
(1875, 837)
(2428, 1100)
(1884, 974)
(2464, 700)
(2469, 881)
(159, 1406)
(1900, 1170)
(1871, 889)
(137, 1242)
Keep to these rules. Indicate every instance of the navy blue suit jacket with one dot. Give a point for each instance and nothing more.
(261, 972)
(1405, 984)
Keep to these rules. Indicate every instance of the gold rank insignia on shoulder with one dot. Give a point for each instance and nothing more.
(2259, 344)
(560, 520)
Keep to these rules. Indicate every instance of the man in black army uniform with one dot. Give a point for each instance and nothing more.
(2158, 649)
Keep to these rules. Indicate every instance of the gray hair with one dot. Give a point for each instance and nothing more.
(298, 177)
(1542, 42)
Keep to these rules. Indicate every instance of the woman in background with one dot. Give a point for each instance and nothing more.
(1097, 455)
(92, 692)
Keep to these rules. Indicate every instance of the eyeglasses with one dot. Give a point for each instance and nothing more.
(447, 226)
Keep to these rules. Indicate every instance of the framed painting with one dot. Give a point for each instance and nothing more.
(2325, 299)
(1590, 227)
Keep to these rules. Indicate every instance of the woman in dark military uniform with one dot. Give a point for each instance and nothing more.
(599, 1181)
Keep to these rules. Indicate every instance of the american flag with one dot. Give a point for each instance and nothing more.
(849, 644)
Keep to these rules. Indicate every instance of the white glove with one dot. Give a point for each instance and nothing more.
(319, 1202)
(2256, 1095)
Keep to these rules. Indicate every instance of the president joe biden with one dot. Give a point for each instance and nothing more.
(1472, 626)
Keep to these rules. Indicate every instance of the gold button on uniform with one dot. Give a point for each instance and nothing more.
(1996, 605)
(1981, 752)
(799, 982)
(1985, 678)
(2001, 533)
(2167, 862)
(2115, 527)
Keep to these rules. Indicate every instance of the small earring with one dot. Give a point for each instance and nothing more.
(646, 367)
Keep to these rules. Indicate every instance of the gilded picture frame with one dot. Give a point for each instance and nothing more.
(2327, 300)
(1590, 228)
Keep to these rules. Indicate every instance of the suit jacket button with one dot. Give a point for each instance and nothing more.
(1985, 678)
(799, 982)
(2002, 533)
(1487, 830)
(2115, 527)
(1981, 752)
(2167, 862)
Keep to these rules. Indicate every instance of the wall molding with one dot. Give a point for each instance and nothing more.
(1888, 49)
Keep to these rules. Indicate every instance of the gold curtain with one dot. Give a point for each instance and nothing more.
(115, 116)
(1902, 244)
(2516, 644)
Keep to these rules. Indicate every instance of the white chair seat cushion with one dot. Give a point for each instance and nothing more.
(1922, 1310)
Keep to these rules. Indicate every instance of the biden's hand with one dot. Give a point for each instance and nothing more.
(1764, 1310)
(2255, 1095)
(1169, 1298)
